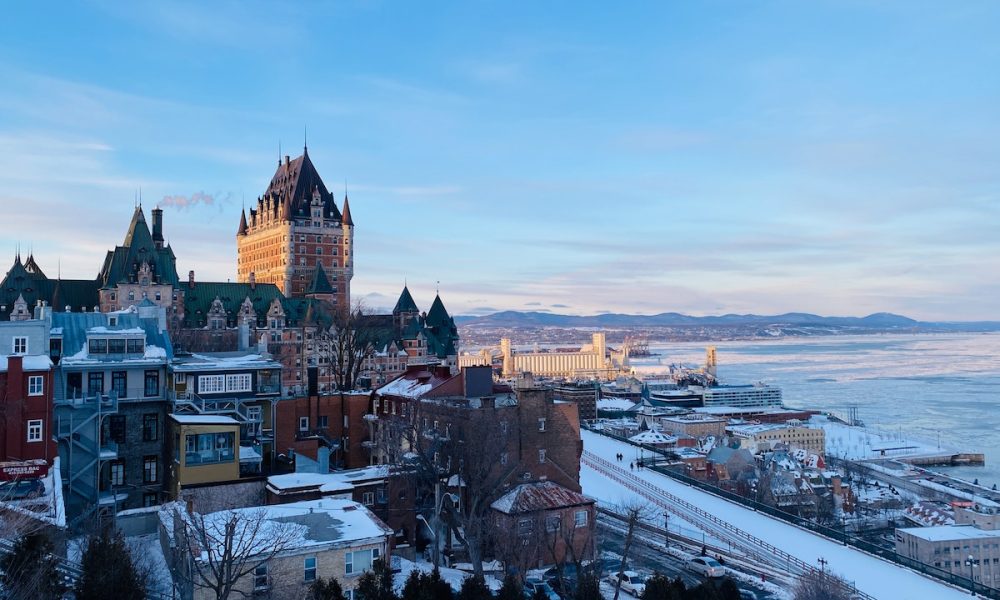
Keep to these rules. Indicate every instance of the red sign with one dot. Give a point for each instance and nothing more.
(29, 469)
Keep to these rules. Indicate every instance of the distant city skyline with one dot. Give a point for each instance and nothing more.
(701, 158)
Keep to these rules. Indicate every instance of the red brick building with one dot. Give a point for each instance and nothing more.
(26, 409)
(305, 424)
(545, 524)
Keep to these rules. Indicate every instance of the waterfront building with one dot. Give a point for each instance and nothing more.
(758, 437)
(589, 362)
(756, 395)
(962, 550)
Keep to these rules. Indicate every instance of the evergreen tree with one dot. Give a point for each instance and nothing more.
(659, 587)
(326, 589)
(728, 590)
(414, 586)
(108, 571)
(474, 588)
(511, 589)
(377, 583)
(438, 588)
(29, 570)
(587, 587)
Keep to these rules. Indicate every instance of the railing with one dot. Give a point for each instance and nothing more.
(216, 406)
(753, 546)
(837, 535)
(107, 402)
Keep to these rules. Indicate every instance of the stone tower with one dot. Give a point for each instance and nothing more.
(296, 234)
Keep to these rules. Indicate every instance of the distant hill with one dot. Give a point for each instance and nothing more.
(877, 321)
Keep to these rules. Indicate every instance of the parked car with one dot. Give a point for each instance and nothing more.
(533, 584)
(747, 595)
(19, 490)
(707, 566)
(632, 582)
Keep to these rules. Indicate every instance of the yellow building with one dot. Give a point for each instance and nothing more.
(205, 449)
(757, 437)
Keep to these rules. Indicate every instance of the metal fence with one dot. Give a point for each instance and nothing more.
(837, 535)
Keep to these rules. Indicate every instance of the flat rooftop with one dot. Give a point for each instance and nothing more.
(945, 533)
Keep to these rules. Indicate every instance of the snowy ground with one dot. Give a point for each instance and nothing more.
(861, 443)
(879, 578)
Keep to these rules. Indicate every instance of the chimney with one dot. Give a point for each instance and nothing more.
(158, 227)
(191, 279)
(288, 160)
(253, 280)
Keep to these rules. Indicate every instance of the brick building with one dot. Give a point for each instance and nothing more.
(295, 230)
(26, 384)
(336, 422)
(544, 524)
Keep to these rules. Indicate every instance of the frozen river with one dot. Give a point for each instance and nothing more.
(924, 386)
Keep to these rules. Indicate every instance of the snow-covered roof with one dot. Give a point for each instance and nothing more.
(309, 524)
(204, 420)
(942, 533)
(653, 438)
(543, 495)
(335, 481)
(33, 362)
(406, 388)
(614, 404)
(223, 361)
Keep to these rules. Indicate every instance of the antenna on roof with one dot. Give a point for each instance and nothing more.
(279, 152)
(305, 138)
(437, 288)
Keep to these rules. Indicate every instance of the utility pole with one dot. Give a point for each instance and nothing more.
(666, 530)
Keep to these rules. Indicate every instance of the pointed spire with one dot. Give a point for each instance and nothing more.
(305, 139)
(346, 219)
(320, 282)
(405, 304)
(243, 223)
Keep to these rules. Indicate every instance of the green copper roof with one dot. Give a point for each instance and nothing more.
(405, 304)
(320, 283)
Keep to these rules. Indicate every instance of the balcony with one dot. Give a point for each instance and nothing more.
(107, 403)
(109, 451)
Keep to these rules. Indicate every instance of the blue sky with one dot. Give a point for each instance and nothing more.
(700, 157)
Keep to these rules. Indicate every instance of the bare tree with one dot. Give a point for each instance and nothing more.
(821, 585)
(562, 537)
(461, 459)
(219, 550)
(353, 341)
(634, 511)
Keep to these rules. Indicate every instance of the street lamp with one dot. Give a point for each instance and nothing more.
(971, 561)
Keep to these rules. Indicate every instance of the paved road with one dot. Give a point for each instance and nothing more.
(648, 560)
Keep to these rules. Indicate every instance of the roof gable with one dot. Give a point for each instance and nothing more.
(293, 184)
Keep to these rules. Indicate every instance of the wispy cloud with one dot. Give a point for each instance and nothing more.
(194, 200)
